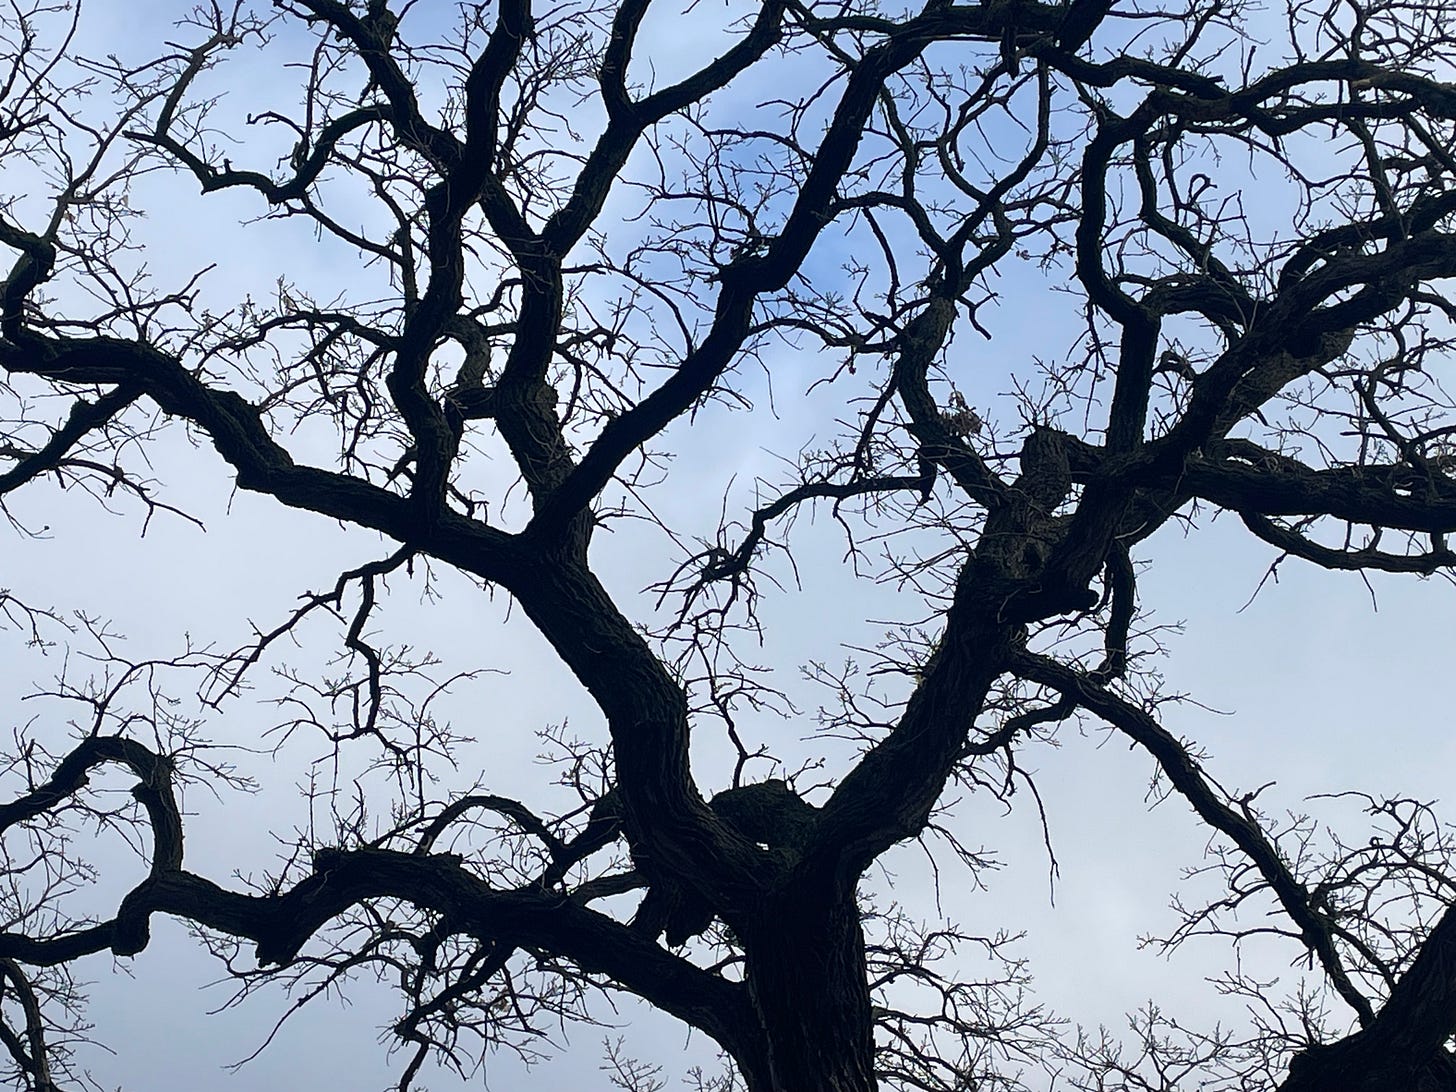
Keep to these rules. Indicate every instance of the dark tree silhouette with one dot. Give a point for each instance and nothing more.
(561, 257)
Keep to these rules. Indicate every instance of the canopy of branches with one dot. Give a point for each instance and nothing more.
(1016, 289)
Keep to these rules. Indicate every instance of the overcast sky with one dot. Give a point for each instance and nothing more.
(1317, 683)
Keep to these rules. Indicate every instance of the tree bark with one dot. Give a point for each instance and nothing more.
(808, 986)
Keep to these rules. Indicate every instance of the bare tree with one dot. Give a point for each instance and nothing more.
(561, 257)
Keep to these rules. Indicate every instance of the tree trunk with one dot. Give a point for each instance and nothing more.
(1348, 1066)
(805, 970)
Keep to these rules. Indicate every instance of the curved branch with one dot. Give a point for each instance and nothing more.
(1285, 487)
(309, 168)
(153, 791)
(1327, 557)
(722, 564)
(281, 924)
(85, 417)
(236, 430)
(890, 793)
(31, 1053)
(1184, 775)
